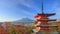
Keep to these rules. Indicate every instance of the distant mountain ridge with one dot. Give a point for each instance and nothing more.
(24, 21)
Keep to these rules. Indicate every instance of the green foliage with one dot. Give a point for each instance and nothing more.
(31, 31)
(20, 31)
(11, 29)
(35, 22)
(56, 28)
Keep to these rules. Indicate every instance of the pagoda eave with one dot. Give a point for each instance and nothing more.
(46, 20)
(47, 26)
(46, 14)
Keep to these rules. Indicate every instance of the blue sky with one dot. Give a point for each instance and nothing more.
(11, 10)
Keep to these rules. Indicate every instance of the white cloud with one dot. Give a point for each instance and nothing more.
(26, 3)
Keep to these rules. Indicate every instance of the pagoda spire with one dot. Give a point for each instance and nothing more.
(42, 8)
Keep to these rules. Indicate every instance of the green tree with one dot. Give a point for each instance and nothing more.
(30, 30)
(11, 29)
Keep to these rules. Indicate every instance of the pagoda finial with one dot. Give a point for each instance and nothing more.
(42, 7)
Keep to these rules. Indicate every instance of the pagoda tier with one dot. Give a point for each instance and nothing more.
(46, 27)
(45, 15)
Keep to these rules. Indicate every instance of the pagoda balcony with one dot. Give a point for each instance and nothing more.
(47, 26)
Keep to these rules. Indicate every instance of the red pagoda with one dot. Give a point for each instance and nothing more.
(42, 21)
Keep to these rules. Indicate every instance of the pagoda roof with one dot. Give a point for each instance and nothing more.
(46, 14)
(46, 20)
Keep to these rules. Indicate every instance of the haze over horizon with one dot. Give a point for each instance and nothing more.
(11, 10)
